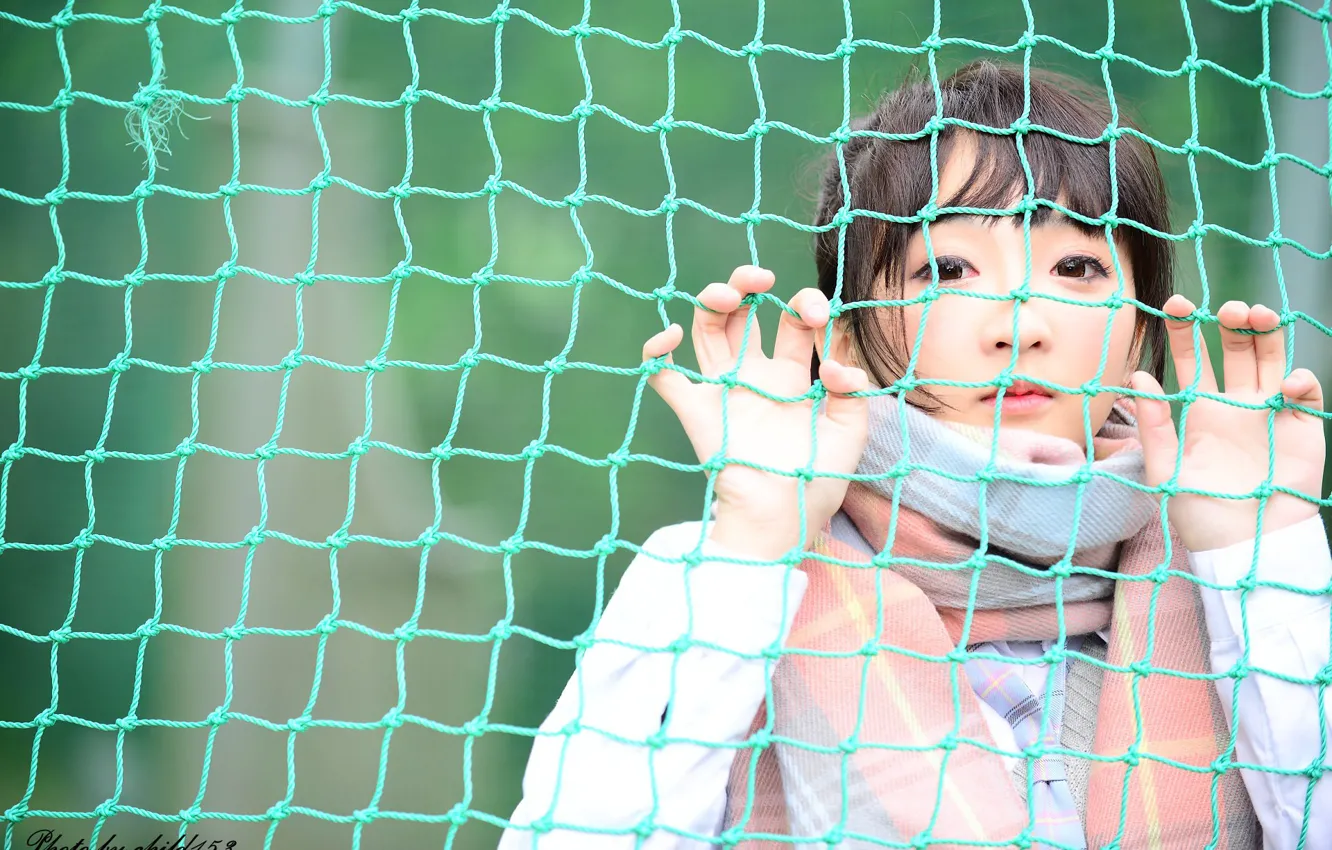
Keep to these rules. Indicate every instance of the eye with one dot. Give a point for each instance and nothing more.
(1080, 266)
(950, 268)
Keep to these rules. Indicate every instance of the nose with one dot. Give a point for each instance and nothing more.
(1016, 320)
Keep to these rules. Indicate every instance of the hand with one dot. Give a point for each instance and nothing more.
(1226, 447)
(757, 511)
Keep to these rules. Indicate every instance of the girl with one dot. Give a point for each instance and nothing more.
(1050, 666)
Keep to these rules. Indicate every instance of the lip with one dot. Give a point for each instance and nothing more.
(1021, 397)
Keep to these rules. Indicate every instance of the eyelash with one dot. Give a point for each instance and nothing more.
(950, 262)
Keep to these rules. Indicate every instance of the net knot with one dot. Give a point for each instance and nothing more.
(680, 645)
(490, 104)
(957, 655)
(673, 36)
(134, 279)
(336, 540)
(501, 631)
(11, 454)
(845, 48)
(216, 717)
(843, 218)
(64, 99)
(430, 538)
(1131, 756)
(127, 724)
(235, 94)
(62, 19)
(46, 718)
(392, 718)
(291, 361)
(228, 190)
(53, 276)
(1276, 402)
(932, 44)
(1314, 771)
(847, 745)
(645, 827)
(410, 14)
(404, 634)
(441, 452)
(475, 728)
(399, 192)
(1140, 667)
(226, 271)
(934, 125)
(321, 182)
(1061, 569)
(376, 364)
(501, 15)
(664, 124)
(268, 451)
(326, 9)
(618, 459)
(56, 196)
(191, 815)
(750, 217)
(84, 540)
(363, 816)
(60, 635)
(230, 17)
(96, 454)
(841, 135)
(758, 128)
(929, 212)
(327, 625)
(15, 813)
(233, 632)
(580, 30)
(584, 111)
(533, 450)
(493, 186)
(1323, 677)
(106, 809)
(1027, 41)
(575, 199)
(164, 544)
(29, 372)
(150, 629)
(278, 811)
(754, 48)
(1106, 54)
(1263, 80)
(254, 537)
(470, 360)
(511, 545)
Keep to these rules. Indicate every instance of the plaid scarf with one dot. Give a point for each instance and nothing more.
(876, 732)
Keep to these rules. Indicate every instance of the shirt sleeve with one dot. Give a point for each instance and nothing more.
(1283, 711)
(604, 768)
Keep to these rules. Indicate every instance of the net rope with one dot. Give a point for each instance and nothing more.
(150, 116)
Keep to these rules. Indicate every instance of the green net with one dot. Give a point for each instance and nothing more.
(702, 233)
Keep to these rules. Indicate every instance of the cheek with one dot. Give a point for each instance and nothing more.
(947, 328)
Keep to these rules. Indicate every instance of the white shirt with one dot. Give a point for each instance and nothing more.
(593, 771)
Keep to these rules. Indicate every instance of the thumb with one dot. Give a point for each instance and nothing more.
(1156, 429)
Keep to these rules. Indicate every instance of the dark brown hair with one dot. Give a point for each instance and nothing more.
(892, 176)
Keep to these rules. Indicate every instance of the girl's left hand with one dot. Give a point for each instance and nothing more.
(1226, 447)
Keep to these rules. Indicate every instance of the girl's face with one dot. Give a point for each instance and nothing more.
(972, 339)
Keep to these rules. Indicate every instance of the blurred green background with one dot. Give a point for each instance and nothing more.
(273, 596)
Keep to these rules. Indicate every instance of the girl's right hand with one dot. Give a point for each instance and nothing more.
(758, 511)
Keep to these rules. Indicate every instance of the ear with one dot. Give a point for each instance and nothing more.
(843, 348)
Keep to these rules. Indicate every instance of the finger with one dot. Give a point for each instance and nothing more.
(746, 280)
(1302, 387)
(1188, 361)
(668, 383)
(796, 334)
(1237, 354)
(846, 411)
(709, 330)
(1156, 430)
(1269, 349)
